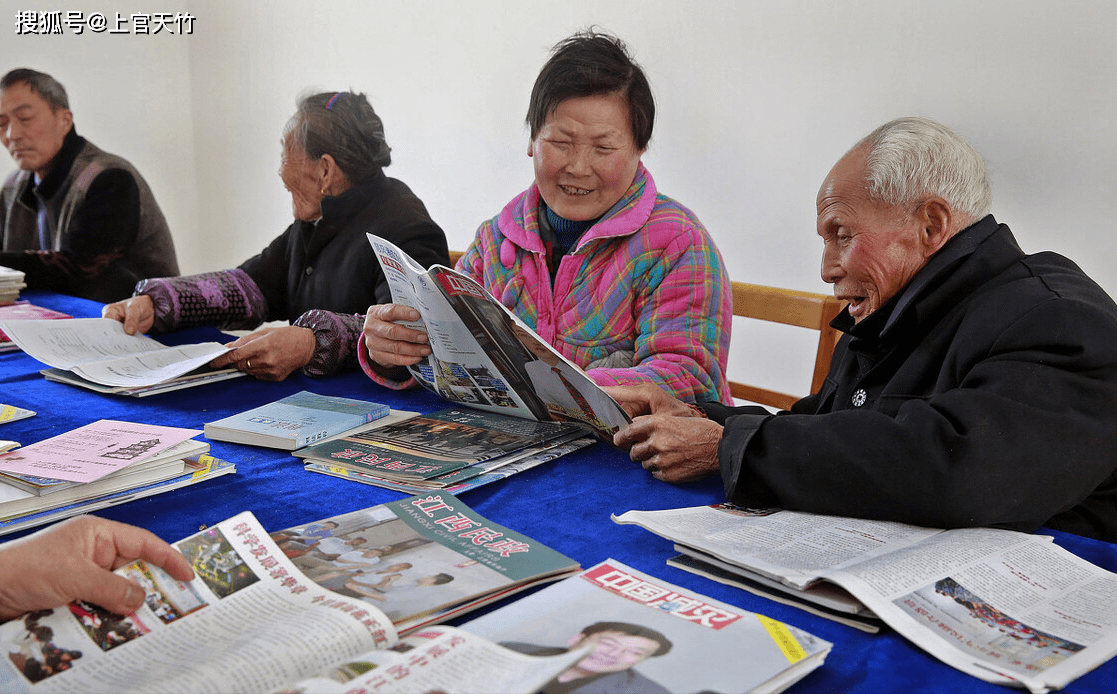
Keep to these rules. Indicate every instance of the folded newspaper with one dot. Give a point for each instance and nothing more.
(484, 356)
(1003, 606)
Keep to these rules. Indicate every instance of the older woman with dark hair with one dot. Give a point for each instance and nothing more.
(321, 273)
(623, 281)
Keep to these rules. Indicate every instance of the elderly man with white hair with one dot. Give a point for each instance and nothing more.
(974, 384)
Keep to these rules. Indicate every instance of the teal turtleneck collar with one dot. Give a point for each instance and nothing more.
(566, 232)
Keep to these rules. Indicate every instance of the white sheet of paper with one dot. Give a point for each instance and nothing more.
(98, 349)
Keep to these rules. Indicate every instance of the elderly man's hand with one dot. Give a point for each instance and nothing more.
(647, 398)
(389, 343)
(673, 449)
(137, 314)
(270, 354)
(74, 561)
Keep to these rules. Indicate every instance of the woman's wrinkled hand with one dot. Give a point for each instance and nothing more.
(137, 314)
(270, 354)
(389, 343)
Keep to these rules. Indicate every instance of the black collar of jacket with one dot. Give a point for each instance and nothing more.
(59, 170)
(905, 306)
(339, 210)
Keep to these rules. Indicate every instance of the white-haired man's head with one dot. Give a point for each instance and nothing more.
(891, 203)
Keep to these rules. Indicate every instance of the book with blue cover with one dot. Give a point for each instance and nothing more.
(295, 421)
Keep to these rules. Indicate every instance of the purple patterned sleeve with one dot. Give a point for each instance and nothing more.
(227, 299)
(335, 340)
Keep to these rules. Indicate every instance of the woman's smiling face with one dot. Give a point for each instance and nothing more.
(585, 156)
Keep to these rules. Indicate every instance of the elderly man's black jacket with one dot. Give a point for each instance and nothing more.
(984, 393)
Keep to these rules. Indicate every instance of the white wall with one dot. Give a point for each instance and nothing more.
(756, 101)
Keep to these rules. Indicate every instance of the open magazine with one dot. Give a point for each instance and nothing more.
(1003, 606)
(420, 560)
(251, 621)
(484, 356)
(649, 636)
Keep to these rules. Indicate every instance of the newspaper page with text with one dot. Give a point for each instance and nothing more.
(1003, 606)
(98, 350)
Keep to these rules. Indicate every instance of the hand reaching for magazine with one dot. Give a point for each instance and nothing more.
(390, 344)
(73, 560)
(671, 440)
(270, 354)
(647, 398)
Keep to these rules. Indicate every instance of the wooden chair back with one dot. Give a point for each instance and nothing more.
(789, 307)
(454, 255)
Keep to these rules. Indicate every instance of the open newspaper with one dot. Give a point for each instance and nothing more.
(484, 356)
(1003, 606)
(649, 636)
(251, 621)
(96, 353)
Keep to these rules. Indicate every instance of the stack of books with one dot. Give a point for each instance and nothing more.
(11, 281)
(50, 480)
(450, 450)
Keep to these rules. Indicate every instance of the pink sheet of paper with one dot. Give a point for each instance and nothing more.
(90, 452)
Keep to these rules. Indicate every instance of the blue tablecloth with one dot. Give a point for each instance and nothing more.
(565, 504)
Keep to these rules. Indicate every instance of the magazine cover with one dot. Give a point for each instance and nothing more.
(418, 556)
(461, 480)
(484, 356)
(647, 635)
(436, 444)
(295, 421)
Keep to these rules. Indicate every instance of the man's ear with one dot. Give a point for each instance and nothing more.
(937, 221)
(531, 148)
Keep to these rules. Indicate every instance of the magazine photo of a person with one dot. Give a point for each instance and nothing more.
(217, 563)
(554, 381)
(389, 564)
(639, 633)
(615, 650)
(34, 651)
(493, 329)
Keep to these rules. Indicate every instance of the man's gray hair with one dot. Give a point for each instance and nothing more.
(343, 125)
(41, 83)
(910, 158)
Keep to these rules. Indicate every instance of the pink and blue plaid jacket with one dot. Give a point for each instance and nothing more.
(646, 279)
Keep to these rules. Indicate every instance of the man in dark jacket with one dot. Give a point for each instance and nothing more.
(974, 385)
(73, 218)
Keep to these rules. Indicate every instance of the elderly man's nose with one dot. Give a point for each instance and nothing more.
(831, 268)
